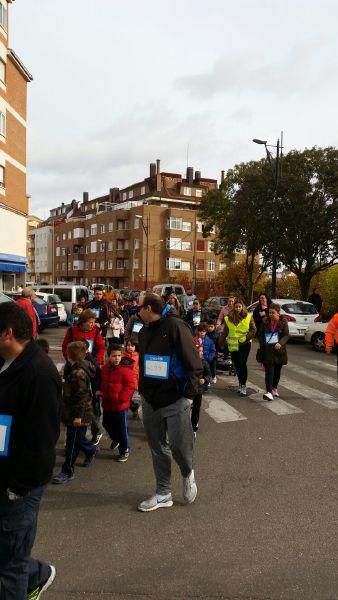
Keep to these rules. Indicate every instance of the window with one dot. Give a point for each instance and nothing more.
(3, 16)
(199, 193)
(174, 263)
(186, 226)
(102, 246)
(87, 249)
(110, 264)
(199, 227)
(136, 263)
(143, 190)
(187, 191)
(200, 266)
(2, 176)
(63, 266)
(186, 245)
(121, 263)
(93, 265)
(131, 194)
(69, 235)
(200, 245)
(57, 266)
(110, 227)
(93, 229)
(110, 246)
(136, 244)
(86, 266)
(58, 251)
(3, 124)
(124, 196)
(78, 232)
(222, 266)
(63, 236)
(121, 225)
(57, 238)
(174, 223)
(210, 246)
(136, 223)
(102, 265)
(185, 265)
(2, 70)
(93, 246)
(102, 228)
(63, 251)
(174, 243)
(211, 265)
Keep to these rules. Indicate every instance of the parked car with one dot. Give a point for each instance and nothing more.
(69, 293)
(214, 304)
(47, 313)
(314, 335)
(54, 299)
(299, 314)
(4, 298)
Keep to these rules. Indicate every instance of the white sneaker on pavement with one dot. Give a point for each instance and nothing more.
(155, 502)
(189, 488)
(243, 390)
(268, 396)
(275, 392)
(214, 380)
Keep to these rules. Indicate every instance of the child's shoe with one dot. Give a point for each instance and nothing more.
(122, 457)
(62, 478)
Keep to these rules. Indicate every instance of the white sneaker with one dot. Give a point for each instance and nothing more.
(156, 502)
(214, 380)
(243, 390)
(268, 396)
(275, 392)
(189, 488)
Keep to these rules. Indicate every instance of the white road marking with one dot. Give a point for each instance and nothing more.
(322, 364)
(220, 411)
(55, 347)
(277, 405)
(319, 377)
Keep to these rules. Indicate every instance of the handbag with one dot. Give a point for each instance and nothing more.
(260, 355)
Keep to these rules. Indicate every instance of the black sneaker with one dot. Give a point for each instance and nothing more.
(37, 593)
(89, 460)
(122, 457)
(114, 445)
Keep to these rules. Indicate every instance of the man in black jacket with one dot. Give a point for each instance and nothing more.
(99, 306)
(170, 369)
(30, 402)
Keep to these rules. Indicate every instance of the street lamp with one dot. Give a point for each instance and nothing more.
(275, 165)
(146, 228)
(154, 246)
(105, 251)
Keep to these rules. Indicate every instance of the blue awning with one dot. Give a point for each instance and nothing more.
(12, 267)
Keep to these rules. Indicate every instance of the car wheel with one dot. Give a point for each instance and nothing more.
(318, 342)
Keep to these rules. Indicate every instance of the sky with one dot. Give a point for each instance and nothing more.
(118, 85)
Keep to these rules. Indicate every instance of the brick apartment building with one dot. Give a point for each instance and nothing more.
(146, 233)
(13, 198)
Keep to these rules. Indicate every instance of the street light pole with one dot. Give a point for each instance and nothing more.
(275, 165)
(146, 228)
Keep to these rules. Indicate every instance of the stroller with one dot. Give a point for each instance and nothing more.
(224, 362)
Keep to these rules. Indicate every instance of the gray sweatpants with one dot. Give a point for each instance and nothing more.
(169, 434)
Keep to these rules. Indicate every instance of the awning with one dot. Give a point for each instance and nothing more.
(12, 267)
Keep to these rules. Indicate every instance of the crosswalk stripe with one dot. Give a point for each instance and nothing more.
(323, 365)
(277, 405)
(319, 377)
(220, 411)
(55, 347)
(307, 392)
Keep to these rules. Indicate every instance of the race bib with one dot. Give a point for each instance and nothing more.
(137, 327)
(5, 432)
(156, 367)
(272, 338)
(91, 344)
(196, 319)
(97, 312)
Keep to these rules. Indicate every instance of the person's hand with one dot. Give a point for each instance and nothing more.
(262, 314)
(278, 346)
(77, 421)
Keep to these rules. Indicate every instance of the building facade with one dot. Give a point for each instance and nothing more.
(136, 237)
(13, 198)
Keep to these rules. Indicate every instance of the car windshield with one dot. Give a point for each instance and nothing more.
(299, 308)
(65, 294)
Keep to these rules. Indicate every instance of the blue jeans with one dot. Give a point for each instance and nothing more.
(115, 423)
(76, 441)
(19, 573)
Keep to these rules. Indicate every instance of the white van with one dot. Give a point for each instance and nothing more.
(69, 294)
(165, 289)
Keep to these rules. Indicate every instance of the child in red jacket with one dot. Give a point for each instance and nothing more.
(117, 388)
(130, 355)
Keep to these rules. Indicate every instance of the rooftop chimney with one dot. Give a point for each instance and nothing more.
(190, 175)
(158, 175)
(197, 176)
(222, 176)
(114, 194)
(152, 172)
(85, 196)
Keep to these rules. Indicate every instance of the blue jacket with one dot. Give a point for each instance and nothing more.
(209, 350)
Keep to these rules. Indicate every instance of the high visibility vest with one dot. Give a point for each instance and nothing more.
(237, 333)
(331, 332)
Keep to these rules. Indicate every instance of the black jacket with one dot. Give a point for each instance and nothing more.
(169, 337)
(270, 355)
(202, 317)
(30, 392)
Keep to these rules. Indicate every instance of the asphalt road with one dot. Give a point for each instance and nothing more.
(263, 527)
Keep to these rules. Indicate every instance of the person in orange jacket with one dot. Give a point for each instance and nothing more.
(331, 334)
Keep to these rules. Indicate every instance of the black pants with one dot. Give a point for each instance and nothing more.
(116, 425)
(195, 411)
(212, 365)
(96, 427)
(19, 573)
(272, 376)
(240, 359)
(76, 441)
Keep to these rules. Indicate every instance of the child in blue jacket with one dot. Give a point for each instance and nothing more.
(209, 349)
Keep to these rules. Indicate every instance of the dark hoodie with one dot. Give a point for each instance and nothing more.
(170, 340)
(30, 394)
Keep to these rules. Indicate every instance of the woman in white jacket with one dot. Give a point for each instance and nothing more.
(115, 330)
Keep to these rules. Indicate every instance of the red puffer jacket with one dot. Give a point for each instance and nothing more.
(94, 338)
(117, 386)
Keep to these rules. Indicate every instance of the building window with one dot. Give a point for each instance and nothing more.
(187, 191)
(57, 238)
(124, 196)
(57, 266)
(122, 225)
(121, 263)
(69, 235)
(199, 227)
(174, 243)
(3, 16)
(136, 223)
(200, 266)
(3, 124)
(93, 265)
(63, 266)
(57, 251)
(186, 245)
(86, 266)
(110, 227)
(186, 226)
(110, 246)
(93, 246)
(200, 246)
(136, 263)
(185, 265)
(102, 228)
(211, 247)
(174, 223)
(63, 236)
(222, 266)
(211, 265)
(199, 193)
(2, 176)
(102, 246)
(174, 263)
(102, 265)
(143, 190)
(2, 71)
(63, 251)
(93, 229)
(87, 249)
(110, 264)
(131, 194)
(136, 244)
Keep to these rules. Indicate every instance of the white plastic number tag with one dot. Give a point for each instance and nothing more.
(196, 319)
(97, 312)
(5, 431)
(91, 344)
(156, 366)
(271, 338)
(137, 327)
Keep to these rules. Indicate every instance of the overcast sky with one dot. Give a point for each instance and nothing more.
(119, 84)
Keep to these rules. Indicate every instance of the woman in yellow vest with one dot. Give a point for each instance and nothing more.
(239, 330)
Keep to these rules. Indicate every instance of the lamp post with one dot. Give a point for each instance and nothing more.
(104, 256)
(154, 246)
(275, 166)
(146, 228)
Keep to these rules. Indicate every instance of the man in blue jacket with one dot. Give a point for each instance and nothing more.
(30, 402)
(170, 369)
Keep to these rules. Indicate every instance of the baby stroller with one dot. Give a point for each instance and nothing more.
(224, 362)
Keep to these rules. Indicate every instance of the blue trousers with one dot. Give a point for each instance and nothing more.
(76, 441)
(19, 573)
(115, 423)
